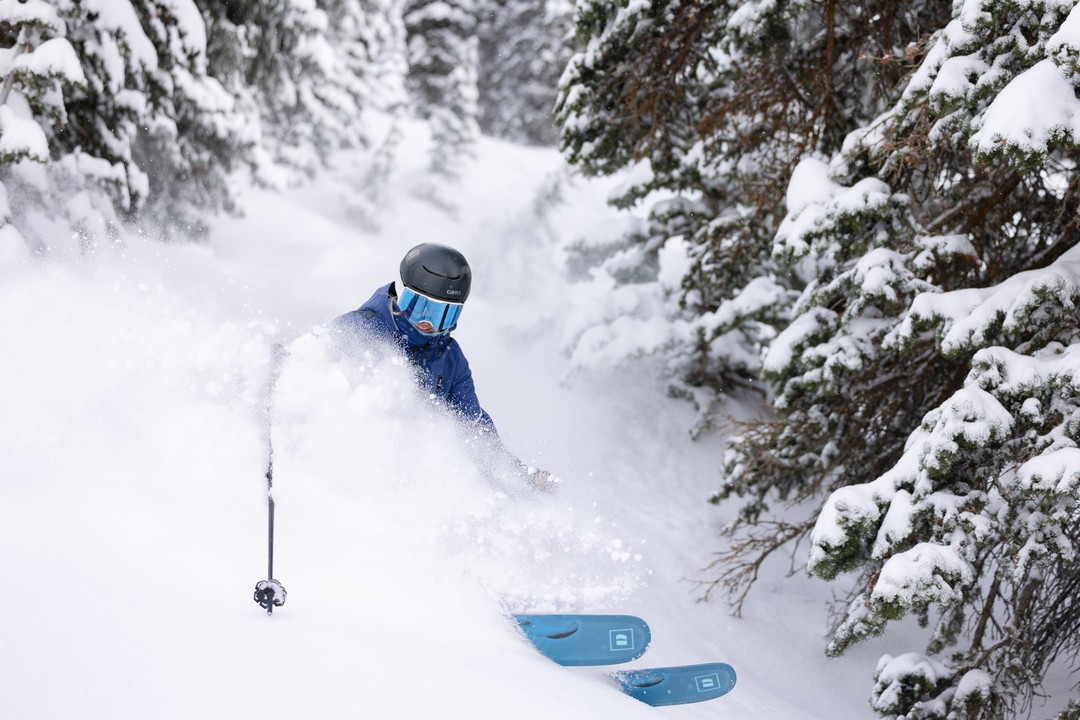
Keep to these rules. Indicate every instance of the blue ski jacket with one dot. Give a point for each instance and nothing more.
(444, 371)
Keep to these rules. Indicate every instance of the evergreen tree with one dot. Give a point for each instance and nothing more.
(442, 81)
(717, 104)
(389, 65)
(124, 110)
(300, 70)
(39, 67)
(385, 75)
(524, 47)
(196, 137)
(138, 111)
(978, 516)
(906, 172)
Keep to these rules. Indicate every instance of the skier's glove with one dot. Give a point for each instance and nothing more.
(269, 594)
(539, 479)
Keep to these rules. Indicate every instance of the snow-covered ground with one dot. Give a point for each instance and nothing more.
(132, 499)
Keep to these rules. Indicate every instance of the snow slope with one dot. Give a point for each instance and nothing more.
(132, 500)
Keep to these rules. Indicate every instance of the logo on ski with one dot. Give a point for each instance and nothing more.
(621, 640)
(583, 639)
(707, 683)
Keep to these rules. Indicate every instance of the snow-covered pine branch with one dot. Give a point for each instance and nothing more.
(907, 175)
(977, 517)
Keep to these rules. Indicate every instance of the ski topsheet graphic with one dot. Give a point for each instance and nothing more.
(677, 685)
(586, 639)
(579, 640)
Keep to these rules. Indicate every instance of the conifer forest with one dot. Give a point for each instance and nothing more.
(860, 217)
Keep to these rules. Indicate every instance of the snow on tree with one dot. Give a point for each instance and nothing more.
(524, 47)
(715, 104)
(122, 117)
(38, 64)
(950, 218)
(443, 55)
(844, 399)
(300, 70)
(633, 97)
(49, 179)
(385, 71)
(194, 137)
(979, 516)
(904, 176)
(137, 112)
(388, 63)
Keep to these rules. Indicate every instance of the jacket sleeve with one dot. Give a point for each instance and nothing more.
(462, 396)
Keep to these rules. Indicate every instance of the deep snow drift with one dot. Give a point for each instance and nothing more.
(134, 426)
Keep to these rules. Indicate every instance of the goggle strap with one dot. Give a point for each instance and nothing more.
(418, 295)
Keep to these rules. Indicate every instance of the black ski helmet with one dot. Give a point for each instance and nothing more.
(438, 271)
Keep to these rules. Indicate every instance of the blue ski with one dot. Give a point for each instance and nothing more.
(677, 685)
(586, 639)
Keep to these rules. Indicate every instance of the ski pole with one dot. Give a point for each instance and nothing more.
(270, 593)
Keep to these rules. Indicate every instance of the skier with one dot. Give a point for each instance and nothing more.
(419, 312)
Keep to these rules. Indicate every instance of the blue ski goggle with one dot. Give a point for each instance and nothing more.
(442, 316)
